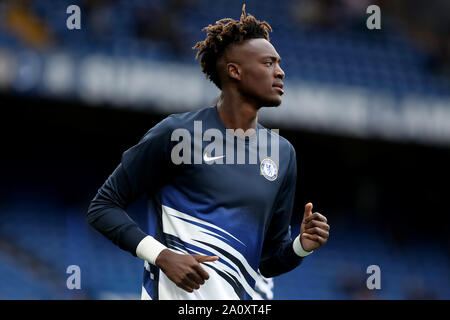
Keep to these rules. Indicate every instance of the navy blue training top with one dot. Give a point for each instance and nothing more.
(205, 199)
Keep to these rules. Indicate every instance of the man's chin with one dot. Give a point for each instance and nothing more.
(273, 103)
(270, 102)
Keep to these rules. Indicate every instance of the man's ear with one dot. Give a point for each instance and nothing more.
(234, 70)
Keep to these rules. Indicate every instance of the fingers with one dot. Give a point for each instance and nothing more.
(317, 231)
(197, 275)
(308, 210)
(194, 278)
(201, 258)
(202, 273)
(188, 284)
(315, 237)
(184, 269)
(316, 228)
(315, 216)
(317, 223)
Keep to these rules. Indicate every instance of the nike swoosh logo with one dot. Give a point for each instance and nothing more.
(206, 158)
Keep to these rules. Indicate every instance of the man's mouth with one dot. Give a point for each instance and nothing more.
(278, 87)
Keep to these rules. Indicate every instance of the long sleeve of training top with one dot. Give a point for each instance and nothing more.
(278, 255)
(142, 170)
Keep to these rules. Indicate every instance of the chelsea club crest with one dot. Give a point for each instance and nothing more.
(269, 169)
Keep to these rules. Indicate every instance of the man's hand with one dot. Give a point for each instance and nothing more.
(184, 269)
(314, 229)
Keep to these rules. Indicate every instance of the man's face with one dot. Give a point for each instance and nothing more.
(260, 72)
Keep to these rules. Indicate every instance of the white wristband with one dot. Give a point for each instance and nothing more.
(298, 249)
(149, 248)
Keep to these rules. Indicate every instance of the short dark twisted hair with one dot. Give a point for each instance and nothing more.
(222, 34)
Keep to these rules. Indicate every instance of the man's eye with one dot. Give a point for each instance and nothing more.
(269, 63)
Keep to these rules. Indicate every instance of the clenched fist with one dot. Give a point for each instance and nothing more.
(184, 269)
(314, 230)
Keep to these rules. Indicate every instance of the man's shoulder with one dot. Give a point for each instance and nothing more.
(189, 116)
(284, 143)
(180, 120)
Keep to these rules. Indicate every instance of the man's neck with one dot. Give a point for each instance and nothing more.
(236, 113)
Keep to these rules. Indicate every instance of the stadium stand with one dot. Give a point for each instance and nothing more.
(57, 237)
(335, 55)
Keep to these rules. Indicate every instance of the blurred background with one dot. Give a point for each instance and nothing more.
(368, 112)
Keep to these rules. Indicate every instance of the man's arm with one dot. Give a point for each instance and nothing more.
(107, 213)
(143, 169)
(280, 253)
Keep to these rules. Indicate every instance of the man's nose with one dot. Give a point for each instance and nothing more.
(279, 73)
